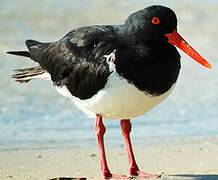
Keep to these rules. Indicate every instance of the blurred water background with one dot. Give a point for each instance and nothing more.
(34, 115)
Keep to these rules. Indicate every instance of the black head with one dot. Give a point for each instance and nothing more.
(152, 23)
(155, 27)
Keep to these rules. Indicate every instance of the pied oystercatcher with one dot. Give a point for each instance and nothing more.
(114, 71)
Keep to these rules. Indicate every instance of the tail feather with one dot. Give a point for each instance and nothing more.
(27, 69)
(35, 48)
(35, 52)
(20, 53)
(27, 74)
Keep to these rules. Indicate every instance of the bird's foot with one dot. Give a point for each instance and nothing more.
(138, 173)
(114, 176)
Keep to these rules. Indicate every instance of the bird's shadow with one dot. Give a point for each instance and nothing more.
(194, 177)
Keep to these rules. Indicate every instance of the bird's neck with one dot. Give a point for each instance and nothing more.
(150, 67)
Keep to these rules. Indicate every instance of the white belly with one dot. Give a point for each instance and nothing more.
(118, 100)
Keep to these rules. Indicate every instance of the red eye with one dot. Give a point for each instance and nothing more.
(155, 20)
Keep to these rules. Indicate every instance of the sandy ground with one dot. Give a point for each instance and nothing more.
(198, 161)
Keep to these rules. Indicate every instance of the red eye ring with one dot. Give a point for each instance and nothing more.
(155, 20)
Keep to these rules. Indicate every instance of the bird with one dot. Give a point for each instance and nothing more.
(114, 71)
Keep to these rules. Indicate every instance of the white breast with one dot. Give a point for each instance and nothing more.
(118, 100)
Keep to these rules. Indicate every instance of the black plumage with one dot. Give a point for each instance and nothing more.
(143, 55)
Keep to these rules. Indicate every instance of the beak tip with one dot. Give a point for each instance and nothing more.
(208, 66)
(177, 40)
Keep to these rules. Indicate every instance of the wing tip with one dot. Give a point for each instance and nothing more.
(29, 43)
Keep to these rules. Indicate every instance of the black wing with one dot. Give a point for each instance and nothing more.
(77, 60)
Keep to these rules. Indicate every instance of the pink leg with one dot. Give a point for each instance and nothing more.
(100, 130)
(133, 168)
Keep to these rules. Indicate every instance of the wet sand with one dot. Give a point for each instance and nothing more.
(198, 161)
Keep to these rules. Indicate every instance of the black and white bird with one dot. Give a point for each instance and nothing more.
(114, 71)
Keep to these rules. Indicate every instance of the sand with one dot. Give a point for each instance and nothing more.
(182, 161)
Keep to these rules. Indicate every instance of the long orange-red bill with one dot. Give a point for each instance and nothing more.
(177, 40)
